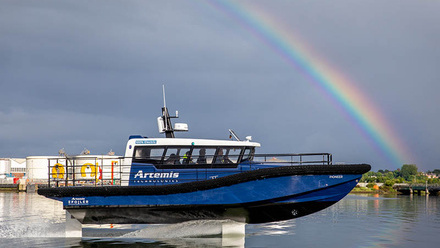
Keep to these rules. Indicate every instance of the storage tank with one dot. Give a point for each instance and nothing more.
(37, 167)
(5, 167)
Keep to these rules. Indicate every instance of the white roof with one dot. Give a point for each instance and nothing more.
(188, 142)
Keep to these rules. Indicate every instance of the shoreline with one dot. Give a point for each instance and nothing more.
(380, 192)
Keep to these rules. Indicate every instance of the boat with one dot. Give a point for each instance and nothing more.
(172, 180)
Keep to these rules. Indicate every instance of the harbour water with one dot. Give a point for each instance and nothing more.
(30, 220)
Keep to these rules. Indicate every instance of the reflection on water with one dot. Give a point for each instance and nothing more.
(356, 221)
(30, 215)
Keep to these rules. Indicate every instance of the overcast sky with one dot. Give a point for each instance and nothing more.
(87, 74)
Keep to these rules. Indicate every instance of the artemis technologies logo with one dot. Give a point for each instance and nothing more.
(140, 174)
(78, 201)
(150, 177)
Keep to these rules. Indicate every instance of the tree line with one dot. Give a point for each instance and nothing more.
(408, 173)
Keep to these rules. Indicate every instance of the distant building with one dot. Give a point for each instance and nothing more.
(18, 167)
(431, 175)
(12, 167)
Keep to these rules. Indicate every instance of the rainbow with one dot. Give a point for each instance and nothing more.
(338, 87)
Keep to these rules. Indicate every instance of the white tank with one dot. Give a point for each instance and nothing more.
(37, 167)
(5, 167)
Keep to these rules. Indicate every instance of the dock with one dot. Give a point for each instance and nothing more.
(19, 187)
(409, 189)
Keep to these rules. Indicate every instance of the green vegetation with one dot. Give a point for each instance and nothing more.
(407, 174)
(408, 171)
(373, 188)
(358, 189)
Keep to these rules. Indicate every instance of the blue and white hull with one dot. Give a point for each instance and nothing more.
(257, 196)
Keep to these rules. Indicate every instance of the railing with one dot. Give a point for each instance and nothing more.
(295, 158)
(113, 171)
(85, 171)
(417, 188)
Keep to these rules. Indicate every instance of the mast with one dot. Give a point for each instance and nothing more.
(168, 127)
(166, 118)
(164, 121)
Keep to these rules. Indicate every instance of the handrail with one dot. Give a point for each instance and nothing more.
(108, 171)
(326, 158)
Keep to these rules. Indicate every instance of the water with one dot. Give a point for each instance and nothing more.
(31, 220)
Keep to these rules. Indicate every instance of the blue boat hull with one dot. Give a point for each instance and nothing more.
(269, 210)
(259, 196)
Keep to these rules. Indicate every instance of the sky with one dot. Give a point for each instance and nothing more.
(87, 74)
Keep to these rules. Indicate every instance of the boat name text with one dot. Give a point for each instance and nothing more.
(146, 142)
(140, 174)
(78, 201)
(336, 176)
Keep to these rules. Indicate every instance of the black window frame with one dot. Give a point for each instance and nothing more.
(161, 164)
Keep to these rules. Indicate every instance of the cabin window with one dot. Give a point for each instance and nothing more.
(209, 154)
(233, 154)
(221, 157)
(227, 155)
(172, 156)
(247, 155)
(141, 152)
(156, 153)
(147, 154)
(198, 155)
(186, 157)
(192, 156)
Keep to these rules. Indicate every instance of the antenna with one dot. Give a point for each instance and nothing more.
(233, 134)
(164, 121)
(163, 93)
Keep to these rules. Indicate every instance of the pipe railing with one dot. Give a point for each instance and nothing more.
(102, 171)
